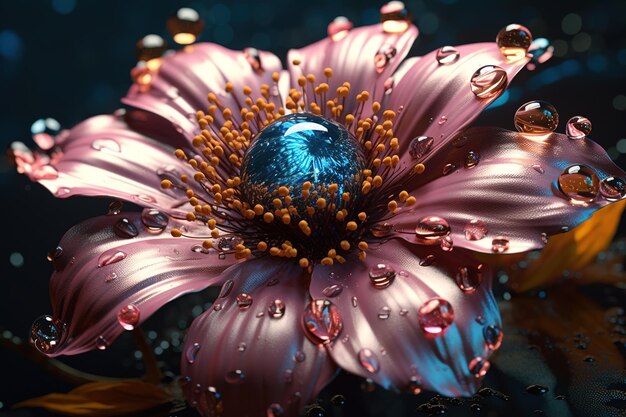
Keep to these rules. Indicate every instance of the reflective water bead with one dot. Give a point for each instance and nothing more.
(46, 333)
(253, 57)
(275, 410)
(43, 131)
(468, 278)
(578, 127)
(472, 158)
(381, 229)
(299, 356)
(580, 183)
(382, 58)
(276, 309)
(125, 229)
(514, 41)
(448, 55)
(435, 315)
(475, 230)
(613, 188)
(110, 257)
(428, 260)
(499, 244)
(154, 220)
(384, 313)
(395, 17)
(102, 343)
(244, 301)
(192, 352)
(150, 47)
(446, 243)
(382, 275)
(185, 26)
(115, 208)
(420, 146)
(536, 118)
(431, 229)
(235, 377)
(241, 347)
(128, 316)
(448, 169)
(332, 290)
(322, 321)
(415, 386)
(339, 28)
(369, 360)
(479, 367)
(539, 169)
(488, 81)
(228, 243)
(493, 336)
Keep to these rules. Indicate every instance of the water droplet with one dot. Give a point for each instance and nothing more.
(102, 343)
(254, 59)
(244, 301)
(154, 220)
(272, 282)
(235, 377)
(544, 237)
(228, 243)
(185, 26)
(448, 169)
(150, 47)
(369, 361)
(355, 302)
(403, 312)
(322, 321)
(479, 367)
(192, 352)
(217, 307)
(382, 275)
(339, 28)
(382, 58)
(241, 347)
(44, 131)
(110, 257)
(475, 230)
(480, 319)
(428, 260)
(488, 81)
(472, 158)
(539, 168)
(125, 229)
(448, 55)
(275, 410)
(115, 208)
(226, 288)
(580, 183)
(420, 146)
(459, 141)
(332, 290)
(128, 316)
(388, 85)
(500, 244)
(514, 41)
(46, 333)
(578, 127)
(537, 389)
(395, 17)
(276, 309)
(613, 188)
(415, 386)
(536, 118)
(55, 254)
(431, 229)
(110, 277)
(468, 278)
(338, 400)
(435, 315)
(446, 244)
(288, 376)
(299, 356)
(62, 191)
(106, 145)
(384, 313)
(493, 336)
(381, 229)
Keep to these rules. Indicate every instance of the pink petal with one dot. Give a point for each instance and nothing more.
(437, 100)
(513, 190)
(109, 262)
(180, 87)
(250, 358)
(103, 156)
(382, 338)
(352, 60)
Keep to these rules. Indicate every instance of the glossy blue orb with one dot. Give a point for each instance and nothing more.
(297, 148)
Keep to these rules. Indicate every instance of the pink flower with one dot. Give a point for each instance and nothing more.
(342, 235)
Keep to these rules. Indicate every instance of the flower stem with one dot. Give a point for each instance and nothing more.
(153, 373)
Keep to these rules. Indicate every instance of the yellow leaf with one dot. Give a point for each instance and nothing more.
(103, 399)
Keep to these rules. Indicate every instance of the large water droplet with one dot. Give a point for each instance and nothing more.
(369, 361)
(128, 316)
(468, 278)
(150, 47)
(514, 41)
(276, 309)
(472, 158)
(110, 257)
(475, 229)
(431, 229)
(420, 146)
(479, 367)
(578, 127)
(106, 145)
(332, 290)
(488, 81)
(493, 336)
(536, 118)
(382, 275)
(192, 352)
(125, 229)
(580, 183)
(339, 28)
(500, 244)
(235, 377)
(228, 243)
(384, 313)
(154, 220)
(382, 58)
(185, 26)
(448, 55)
(322, 321)
(613, 188)
(435, 315)
(395, 17)
(46, 333)
(244, 300)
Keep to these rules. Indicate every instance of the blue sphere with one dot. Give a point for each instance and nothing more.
(297, 148)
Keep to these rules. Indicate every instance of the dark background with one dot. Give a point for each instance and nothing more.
(70, 59)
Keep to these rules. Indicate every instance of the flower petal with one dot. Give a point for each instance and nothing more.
(109, 262)
(513, 190)
(244, 360)
(382, 338)
(352, 59)
(180, 86)
(437, 100)
(103, 156)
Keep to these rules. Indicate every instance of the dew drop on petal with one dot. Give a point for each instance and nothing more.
(150, 47)
(381, 229)
(493, 336)
(235, 377)
(154, 220)
(276, 309)
(192, 352)
(480, 319)
(428, 260)
(244, 301)
(447, 55)
(475, 230)
(185, 26)
(479, 367)
(125, 229)
(442, 120)
(226, 289)
(578, 127)
(382, 275)
(339, 28)
(580, 183)
(382, 58)
(536, 117)
(384, 313)
(46, 333)
(420, 146)
(544, 237)
(275, 410)
(388, 85)
(448, 169)
(446, 244)
(369, 360)
(435, 316)
(472, 158)
(128, 316)
(539, 168)
(110, 257)
(228, 243)
(332, 290)
(613, 188)
(115, 208)
(254, 59)
(431, 229)
(499, 244)
(110, 277)
(514, 41)
(488, 81)
(62, 191)
(106, 145)
(241, 347)
(395, 17)
(322, 321)
(355, 302)
(102, 343)
(288, 376)
(299, 356)
(415, 386)
(468, 278)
